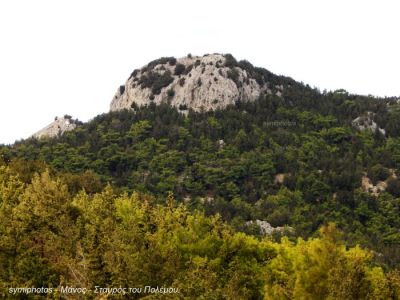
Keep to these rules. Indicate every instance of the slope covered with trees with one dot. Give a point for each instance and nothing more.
(227, 162)
(51, 238)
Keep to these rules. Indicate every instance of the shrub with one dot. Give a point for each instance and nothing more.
(171, 93)
(134, 73)
(199, 83)
(188, 69)
(152, 97)
(161, 61)
(247, 66)
(161, 82)
(156, 81)
(378, 173)
(182, 81)
(179, 69)
(121, 89)
(172, 61)
(233, 75)
(230, 61)
(182, 107)
(197, 63)
(134, 106)
(393, 187)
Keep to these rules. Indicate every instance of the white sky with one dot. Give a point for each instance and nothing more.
(69, 57)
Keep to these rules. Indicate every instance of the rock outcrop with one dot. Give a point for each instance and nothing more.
(267, 229)
(58, 127)
(194, 82)
(366, 122)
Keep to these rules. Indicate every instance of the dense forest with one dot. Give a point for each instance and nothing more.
(154, 196)
(51, 238)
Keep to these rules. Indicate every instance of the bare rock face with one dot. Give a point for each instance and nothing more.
(193, 82)
(267, 229)
(58, 127)
(366, 122)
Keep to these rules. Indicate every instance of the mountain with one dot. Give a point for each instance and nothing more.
(206, 82)
(172, 189)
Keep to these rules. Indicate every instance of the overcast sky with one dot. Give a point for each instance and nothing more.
(69, 57)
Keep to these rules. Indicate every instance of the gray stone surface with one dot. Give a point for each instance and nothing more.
(58, 127)
(215, 91)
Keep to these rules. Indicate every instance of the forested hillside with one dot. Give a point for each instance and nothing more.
(154, 196)
(52, 239)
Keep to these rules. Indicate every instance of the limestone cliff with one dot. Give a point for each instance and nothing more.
(194, 82)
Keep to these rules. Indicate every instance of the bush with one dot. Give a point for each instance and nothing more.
(134, 106)
(179, 69)
(183, 107)
(378, 173)
(188, 69)
(121, 89)
(247, 66)
(161, 82)
(172, 61)
(161, 61)
(233, 75)
(393, 187)
(182, 81)
(156, 81)
(171, 93)
(134, 73)
(230, 61)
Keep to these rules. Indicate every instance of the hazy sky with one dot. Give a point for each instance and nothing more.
(69, 57)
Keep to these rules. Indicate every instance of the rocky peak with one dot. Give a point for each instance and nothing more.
(57, 127)
(195, 82)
